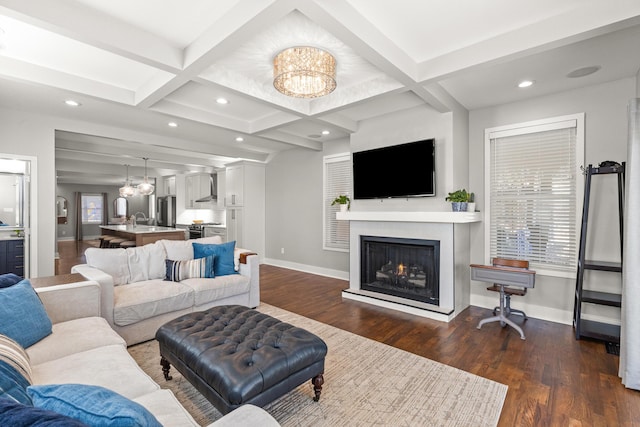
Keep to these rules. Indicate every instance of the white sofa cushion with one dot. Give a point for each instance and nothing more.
(146, 262)
(108, 366)
(182, 250)
(74, 336)
(142, 300)
(208, 290)
(112, 261)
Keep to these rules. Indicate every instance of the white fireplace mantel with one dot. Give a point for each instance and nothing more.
(451, 229)
(442, 217)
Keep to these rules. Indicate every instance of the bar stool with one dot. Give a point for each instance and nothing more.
(105, 240)
(128, 244)
(115, 243)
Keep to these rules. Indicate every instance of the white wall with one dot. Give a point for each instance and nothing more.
(606, 139)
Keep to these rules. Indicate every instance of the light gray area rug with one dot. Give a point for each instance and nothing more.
(366, 384)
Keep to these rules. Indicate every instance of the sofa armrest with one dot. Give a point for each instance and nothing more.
(106, 288)
(71, 301)
(251, 269)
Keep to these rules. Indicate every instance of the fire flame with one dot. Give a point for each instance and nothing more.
(400, 269)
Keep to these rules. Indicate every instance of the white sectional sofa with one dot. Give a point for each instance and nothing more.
(83, 349)
(135, 298)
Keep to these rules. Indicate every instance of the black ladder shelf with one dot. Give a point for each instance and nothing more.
(588, 328)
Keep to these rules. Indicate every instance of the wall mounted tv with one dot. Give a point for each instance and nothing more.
(405, 170)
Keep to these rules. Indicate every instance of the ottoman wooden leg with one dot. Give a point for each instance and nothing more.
(317, 382)
(165, 368)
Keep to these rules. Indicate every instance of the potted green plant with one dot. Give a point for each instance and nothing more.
(458, 199)
(344, 202)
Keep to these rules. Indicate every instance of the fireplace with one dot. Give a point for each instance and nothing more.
(405, 268)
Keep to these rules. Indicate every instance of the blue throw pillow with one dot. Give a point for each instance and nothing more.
(9, 279)
(93, 405)
(223, 264)
(22, 315)
(180, 270)
(15, 414)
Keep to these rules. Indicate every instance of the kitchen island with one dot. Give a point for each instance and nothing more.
(143, 234)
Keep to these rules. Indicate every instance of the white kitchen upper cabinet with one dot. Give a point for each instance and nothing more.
(234, 189)
(197, 186)
(169, 185)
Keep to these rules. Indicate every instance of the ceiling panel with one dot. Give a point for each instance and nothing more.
(136, 66)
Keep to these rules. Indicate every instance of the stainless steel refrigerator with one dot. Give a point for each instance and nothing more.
(166, 211)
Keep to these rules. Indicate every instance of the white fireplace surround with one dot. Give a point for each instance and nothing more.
(450, 228)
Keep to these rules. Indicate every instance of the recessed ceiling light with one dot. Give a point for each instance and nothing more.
(173, 124)
(222, 101)
(72, 103)
(325, 132)
(584, 71)
(525, 83)
(239, 139)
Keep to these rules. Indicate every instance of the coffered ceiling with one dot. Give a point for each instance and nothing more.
(140, 64)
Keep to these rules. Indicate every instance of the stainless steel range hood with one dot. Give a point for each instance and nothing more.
(213, 190)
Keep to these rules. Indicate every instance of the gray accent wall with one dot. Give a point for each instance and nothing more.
(605, 108)
(294, 210)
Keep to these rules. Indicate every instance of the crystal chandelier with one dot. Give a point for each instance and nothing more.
(145, 188)
(127, 190)
(304, 72)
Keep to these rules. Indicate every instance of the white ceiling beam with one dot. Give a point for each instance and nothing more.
(590, 20)
(292, 140)
(235, 27)
(341, 122)
(114, 155)
(175, 109)
(158, 141)
(81, 23)
(18, 70)
(273, 121)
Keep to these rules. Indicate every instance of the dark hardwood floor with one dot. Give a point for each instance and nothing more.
(553, 379)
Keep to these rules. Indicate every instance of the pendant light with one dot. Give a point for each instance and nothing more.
(127, 190)
(145, 188)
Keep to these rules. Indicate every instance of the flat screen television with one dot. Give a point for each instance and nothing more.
(405, 170)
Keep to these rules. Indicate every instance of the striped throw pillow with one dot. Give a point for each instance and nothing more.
(193, 268)
(15, 371)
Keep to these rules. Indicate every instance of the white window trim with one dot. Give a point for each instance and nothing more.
(560, 122)
(334, 158)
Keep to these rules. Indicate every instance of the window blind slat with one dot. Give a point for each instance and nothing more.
(533, 197)
(337, 181)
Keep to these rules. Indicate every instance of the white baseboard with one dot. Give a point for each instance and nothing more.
(321, 271)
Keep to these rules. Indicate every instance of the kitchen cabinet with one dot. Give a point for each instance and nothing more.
(169, 185)
(245, 205)
(221, 190)
(12, 256)
(197, 186)
(234, 189)
(235, 221)
(212, 230)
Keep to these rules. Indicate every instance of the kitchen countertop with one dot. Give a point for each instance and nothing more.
(140, 229)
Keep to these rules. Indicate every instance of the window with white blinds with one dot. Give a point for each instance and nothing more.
(534, 193)
(337, 181)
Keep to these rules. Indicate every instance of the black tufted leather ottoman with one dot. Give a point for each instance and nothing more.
(234, 355)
